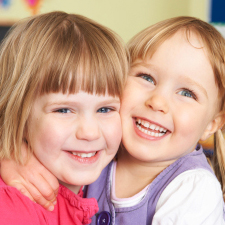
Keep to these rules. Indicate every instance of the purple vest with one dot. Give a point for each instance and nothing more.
(143, 212)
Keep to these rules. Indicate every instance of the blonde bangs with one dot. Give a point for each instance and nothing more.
(86, 60)
(145, 43)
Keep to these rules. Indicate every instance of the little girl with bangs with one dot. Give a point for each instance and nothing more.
(174, 97)
(62, 77)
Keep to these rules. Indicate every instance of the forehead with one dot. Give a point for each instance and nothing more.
(181, 54)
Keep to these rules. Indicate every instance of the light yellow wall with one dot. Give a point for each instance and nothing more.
(126, 17)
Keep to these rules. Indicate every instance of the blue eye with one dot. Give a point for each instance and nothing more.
(187, 93)
(104, 110)
(63, 110)
(147, 78)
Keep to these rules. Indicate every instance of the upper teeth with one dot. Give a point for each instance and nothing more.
(151, 126)
(84, 155)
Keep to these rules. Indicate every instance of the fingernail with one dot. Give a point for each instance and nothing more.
(54, 203)
(51, 208)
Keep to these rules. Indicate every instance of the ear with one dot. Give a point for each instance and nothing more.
(214, 125)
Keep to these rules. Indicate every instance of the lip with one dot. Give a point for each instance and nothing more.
(89, 160)
(146, 136)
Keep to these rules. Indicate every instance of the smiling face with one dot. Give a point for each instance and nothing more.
(76, 135)
(170, 101)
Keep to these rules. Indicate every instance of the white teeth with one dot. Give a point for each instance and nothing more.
(161, 129)
(84, 155)
(155, 131)
(152, 127)
(146, 124)
(157, 128)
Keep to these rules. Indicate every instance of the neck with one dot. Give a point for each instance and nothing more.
(74, 188)
(133, 175)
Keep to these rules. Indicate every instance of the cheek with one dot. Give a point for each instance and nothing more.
(124, 105)
(130, 95)
(113, 134)
(44, 135)
(191, 123)
(129, 102)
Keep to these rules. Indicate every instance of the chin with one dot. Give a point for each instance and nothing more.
(90, 180)
(85, 179)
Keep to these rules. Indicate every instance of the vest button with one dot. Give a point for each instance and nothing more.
(104, 218)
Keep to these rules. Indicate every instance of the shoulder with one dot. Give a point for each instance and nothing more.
(193, 196)
(16, 208)
(194, 185)
(199, 180)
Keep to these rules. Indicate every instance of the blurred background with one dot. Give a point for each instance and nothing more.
(126, 17)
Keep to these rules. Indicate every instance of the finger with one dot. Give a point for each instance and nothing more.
(22, 189)
(38, 197)
(43, 187)
(52, 181)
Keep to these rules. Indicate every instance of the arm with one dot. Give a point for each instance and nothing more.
(191, 198)
(32, 180)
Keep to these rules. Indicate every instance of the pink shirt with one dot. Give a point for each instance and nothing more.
(71, 209)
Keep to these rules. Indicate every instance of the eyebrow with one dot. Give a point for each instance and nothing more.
(142, 63)
(109, 101)
(192, 82)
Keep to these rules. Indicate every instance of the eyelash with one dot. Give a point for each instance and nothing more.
(142, 75)
(108, 109)
(191, 92)
(61, 110)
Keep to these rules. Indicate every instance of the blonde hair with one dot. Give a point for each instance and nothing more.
(54, 52)
(145, 43)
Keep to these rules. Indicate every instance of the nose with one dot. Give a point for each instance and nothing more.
(158, 102)
(88, 129)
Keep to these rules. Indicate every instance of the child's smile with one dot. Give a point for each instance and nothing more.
(150, 128)
(75, 135)
(169, 101)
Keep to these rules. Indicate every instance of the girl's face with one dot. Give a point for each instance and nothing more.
(75, 135)
(170, 102)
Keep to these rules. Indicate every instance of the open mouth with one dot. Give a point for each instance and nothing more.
(84, 155)
(149, 128)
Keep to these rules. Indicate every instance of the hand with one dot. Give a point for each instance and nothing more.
(32, 180)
